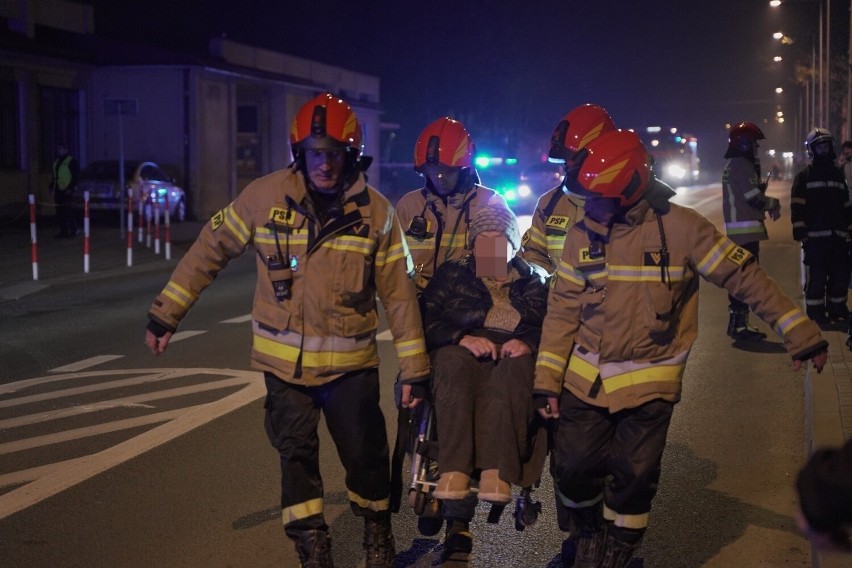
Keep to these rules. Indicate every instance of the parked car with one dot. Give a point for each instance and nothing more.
(147, 180)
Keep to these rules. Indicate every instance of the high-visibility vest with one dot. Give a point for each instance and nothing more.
(62, 173)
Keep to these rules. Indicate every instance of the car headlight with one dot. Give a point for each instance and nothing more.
(524, 190)
(676, 171)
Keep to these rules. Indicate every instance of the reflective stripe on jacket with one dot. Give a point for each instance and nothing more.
(820, 205)
(327, 326)
(447, 220)
(542, 243)
(627, 324)
(741, 202)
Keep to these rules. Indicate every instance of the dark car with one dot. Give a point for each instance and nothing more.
(147, 179)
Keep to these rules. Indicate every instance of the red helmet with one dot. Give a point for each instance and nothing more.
(747, 130)
(578, 128)
(617, 166)
(445, 143)
(323, 123)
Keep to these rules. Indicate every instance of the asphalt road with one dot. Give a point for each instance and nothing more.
(111, 457)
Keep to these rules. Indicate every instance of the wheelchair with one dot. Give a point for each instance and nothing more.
(423, 454)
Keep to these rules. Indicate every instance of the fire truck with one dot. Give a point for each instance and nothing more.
(674, 154)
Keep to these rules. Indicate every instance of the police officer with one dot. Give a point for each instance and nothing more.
(745, 205)
(326, 244)
(621, 320)
(822, 219)
(66, 173)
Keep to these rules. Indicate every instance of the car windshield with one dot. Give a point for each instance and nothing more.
(107, 169)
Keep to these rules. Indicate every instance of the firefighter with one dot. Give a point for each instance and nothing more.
(621, 320)
(436, 218)
(326, 245)
(745, 205)
(66, 173)
(821, 212)
(558, 209)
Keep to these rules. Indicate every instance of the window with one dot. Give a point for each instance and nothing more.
(59, 111)
(10, 126)
(249, 163)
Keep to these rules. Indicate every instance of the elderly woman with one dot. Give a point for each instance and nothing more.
(482, 315)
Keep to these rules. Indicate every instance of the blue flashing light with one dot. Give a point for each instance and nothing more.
(511, 161)
(482, 161)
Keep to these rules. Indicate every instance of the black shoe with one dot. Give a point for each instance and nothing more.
(838, 314)
(379, 543)
(314, 549)
(459, 542)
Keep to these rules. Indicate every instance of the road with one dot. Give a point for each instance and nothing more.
(111, 457)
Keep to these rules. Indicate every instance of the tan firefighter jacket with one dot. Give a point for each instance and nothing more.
(555, 213)
(446, 222)
(619, 329)
(325, 325)
(744, 203)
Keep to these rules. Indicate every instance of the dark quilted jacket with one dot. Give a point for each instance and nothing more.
(456, 302)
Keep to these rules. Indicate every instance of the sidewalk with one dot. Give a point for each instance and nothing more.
(61, 261)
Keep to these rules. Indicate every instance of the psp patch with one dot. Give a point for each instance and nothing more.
(738, 255)
(557, 222)
(282, 216)
(585, 257)
(217, 219)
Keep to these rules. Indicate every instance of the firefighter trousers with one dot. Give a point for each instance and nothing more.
(827, 274)
(591, 444)
(357, 427)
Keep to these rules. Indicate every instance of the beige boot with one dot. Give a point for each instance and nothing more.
(492, 488)
(452, 485)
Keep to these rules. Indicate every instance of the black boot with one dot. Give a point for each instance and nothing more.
(589, 533)
(838, 311)
(458, 543)
(738, 327)
(817, 313)
(379, 544)
(620, 545)
(314, 549)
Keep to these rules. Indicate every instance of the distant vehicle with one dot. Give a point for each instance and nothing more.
(674, 154)
(147, 179)
(542, 177)
(503, 175)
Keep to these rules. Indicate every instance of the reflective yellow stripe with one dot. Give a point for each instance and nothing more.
(537, 237)
(714, 256)
(396, 252)
(236, 225)
(289, 353)
(654, 373)
(350, 244)
(643, 273)
(410, 348)
(301, 510)
(627, 521)
(583, 368)
(179, 294)
(551, 361)
(790, 320)
(382, 505)
(569, 273)
(265, 236)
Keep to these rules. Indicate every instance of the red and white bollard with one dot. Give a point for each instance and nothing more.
(156, 223)
(33, 237)
(168, 234)
(85, 232)
(141, 214)
(130, 226)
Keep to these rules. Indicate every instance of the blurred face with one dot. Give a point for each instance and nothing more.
(445, 182)
(492, 252)
(325, 168)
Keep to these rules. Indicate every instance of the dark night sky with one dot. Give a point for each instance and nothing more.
(518, 66)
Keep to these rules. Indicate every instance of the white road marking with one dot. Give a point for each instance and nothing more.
(126, 402)
(240, 319)
(51, 479)
(85, 363)
(181, 335)
(150, 378)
